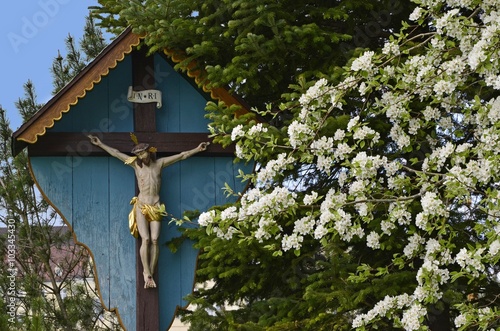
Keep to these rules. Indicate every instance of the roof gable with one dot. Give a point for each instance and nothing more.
(108, 59)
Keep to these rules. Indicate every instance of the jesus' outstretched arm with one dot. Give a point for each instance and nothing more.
(165, 161)
(110, 150)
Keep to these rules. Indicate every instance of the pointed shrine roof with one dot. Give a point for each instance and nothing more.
(92, 74)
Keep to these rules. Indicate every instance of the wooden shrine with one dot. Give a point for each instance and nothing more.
(92, 190)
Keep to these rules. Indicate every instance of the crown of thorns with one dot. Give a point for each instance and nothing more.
(141, 147)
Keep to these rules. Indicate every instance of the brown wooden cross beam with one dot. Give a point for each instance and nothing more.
(66, 143)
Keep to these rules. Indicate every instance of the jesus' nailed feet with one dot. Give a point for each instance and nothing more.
(148, 281)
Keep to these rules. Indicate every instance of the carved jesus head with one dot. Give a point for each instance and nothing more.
(143, 154)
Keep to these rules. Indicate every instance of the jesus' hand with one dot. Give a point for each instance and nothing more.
(203, 146)
(94, 140)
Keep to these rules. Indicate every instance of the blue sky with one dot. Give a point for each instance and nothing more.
(31, 33)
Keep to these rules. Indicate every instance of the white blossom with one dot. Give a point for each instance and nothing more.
(343, 225)
(339, 134)
(397, 134)
(298, 133)
(416, 14)
(460, 320)
(342, 178)
(314, 92)
(309, 199)
(239, 152)
(470, 261)
(342, 151)
(413, 126)
(411, 317)
(454, 137)
(392, 167)
(439, 157)
(364, 62)
(352, 123)
(414, 244)
(431, 113)
(256, 129)
(366, 132)
(357, 187)
(367, 166)
(363, 88)
(229, 213)
(421, 220)
(387, 227)
(273, 168)
(322, 145)
(444, 87)
(362, 209)
(320, 232)
(391, 48)
(477, 55)
(432, 205)
(494, 110)
(438, 44)
(228, 235)
(394, 106)
(433, 246)
(494, 248)
(446, 21)
(206, 218)
(373, 240)
(305, 225)
(292, 241)
(324, 163)
(237, 132)
(264, 225)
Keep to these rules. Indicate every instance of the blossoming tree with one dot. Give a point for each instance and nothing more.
(406, 149)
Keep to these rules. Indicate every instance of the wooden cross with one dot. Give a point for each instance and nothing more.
(78, 144)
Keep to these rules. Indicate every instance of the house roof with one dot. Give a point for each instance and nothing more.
(108, 59)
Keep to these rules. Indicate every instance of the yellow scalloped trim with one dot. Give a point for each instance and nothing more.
(46, 121)
(129, 43)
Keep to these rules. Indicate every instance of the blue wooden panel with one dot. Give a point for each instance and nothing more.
(93, 194)
(192, 110)
(183, 105)
(91, 112)
(91, 212)
(49, 173)
(120, 113)
(171, 188)
(169, 264)
(168, 117)
(122, 264)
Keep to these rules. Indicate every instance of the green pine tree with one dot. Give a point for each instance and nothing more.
(64, 69)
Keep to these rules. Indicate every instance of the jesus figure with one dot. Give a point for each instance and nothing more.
(147, 210)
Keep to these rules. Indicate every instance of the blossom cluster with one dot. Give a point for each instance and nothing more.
(436, 166)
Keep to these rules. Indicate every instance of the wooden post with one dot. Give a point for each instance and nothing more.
(147, 317)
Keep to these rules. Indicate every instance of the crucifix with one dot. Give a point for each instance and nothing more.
(167, 144)
(147, 212)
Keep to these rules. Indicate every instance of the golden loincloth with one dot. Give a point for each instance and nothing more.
(152, 214)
